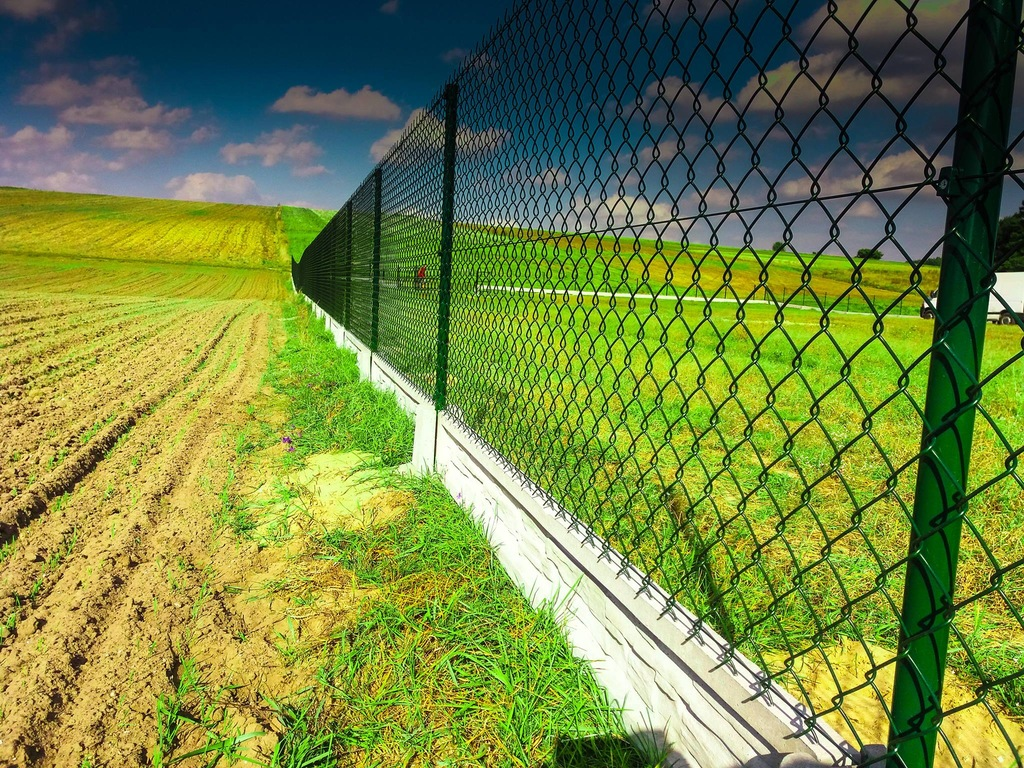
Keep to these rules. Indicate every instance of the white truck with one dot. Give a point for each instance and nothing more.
(1009, 287)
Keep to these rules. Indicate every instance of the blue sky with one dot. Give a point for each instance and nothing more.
(244, 103)
(218, 100)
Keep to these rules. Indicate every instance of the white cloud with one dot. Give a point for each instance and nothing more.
(364, 104)
(380, 147)
(881, 31)
(390, 7)
(84, 162)
(67, 28)
(31, 142)
(108, 100)
(880, 28)
(287, 146)
(453, 55)
(209, 187)
(864, 209)
(44, 160)
(64, 91)
(27, 10)
(842, 80)
(125, 111)
(203, 133)
(65, 181)
(638, 216)
(430, 126)
(528, 173)
(888, 171)
(878, 25)
(140, 139)
(311, 170)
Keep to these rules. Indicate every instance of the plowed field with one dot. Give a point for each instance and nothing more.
(130, 229)
(113, 408)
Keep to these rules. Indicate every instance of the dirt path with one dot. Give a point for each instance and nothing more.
(111, 570)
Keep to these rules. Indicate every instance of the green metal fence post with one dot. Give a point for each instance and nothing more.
(348, 265)
(375, 305)
(444, 290)
(972, 189)
(331, 302)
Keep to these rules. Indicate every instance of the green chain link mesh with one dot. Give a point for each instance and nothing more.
(666, 315)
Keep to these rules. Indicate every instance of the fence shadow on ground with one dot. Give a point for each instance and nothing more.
(642, 750)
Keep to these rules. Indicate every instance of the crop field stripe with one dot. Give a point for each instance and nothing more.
(104, 280)
(112, 339)
(38, 309)
(71, 334)
(125, 228)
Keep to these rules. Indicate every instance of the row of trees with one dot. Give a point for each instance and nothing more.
(863, 253)
(1009, 253)
(1010, 242)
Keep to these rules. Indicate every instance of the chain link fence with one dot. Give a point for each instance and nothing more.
(678, 263)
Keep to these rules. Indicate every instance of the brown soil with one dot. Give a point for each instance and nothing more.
(115, 577)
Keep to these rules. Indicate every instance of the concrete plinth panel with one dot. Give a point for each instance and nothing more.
(424, 443)
(385, 377)
(667, 671)
(362, 352)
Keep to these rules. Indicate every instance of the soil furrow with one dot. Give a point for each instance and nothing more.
(17, 512)
(16, 340)
(85, 407)
(140, 443)
(84, 329)
(132, 589)
(46, 374)
(41, 310)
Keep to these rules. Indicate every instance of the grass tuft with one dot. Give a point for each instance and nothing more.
(442, 662)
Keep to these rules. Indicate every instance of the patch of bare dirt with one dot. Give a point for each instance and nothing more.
(974, 733)
(333, 490)
(115, 579)
(119, 585)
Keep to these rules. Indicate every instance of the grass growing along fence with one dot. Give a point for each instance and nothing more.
(300, 226)
(445, 661)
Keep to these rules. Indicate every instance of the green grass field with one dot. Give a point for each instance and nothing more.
(515, 258)
(623, 264)
(301, 225)
(136, 229)
(757, 462)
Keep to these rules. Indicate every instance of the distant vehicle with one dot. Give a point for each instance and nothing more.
(1009, 286)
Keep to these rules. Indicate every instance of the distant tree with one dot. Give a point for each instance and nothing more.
(933, 261)
(1010, 242)
(778, 245)
(869, 253)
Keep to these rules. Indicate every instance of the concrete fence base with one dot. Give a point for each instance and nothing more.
(671, 675)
